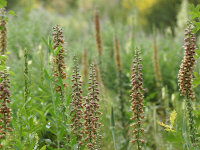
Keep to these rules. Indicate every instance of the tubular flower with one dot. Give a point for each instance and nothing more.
(3, 32)
(185, 75)
(5, 111)
(98, 33)
(59, 64)
(77, 106)
(137, 100)
(92, 113)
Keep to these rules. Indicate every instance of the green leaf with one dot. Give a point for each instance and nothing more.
(47, 75)
(48, 44)
(57, 50)
(43, 148)
(6, 19)
(11, 12)
(3, 3)
(197, 27)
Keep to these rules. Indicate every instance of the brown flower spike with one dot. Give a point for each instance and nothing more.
(85, 65)
(98, 33)
(77, 106)
(116, 47)
(137, 100)
(5, 111)
(3, 32)
(185, 78)
(92, 113)
(58, 60)
(185, 75)
(156, 64)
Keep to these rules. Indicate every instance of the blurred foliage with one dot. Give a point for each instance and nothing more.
(150, 13)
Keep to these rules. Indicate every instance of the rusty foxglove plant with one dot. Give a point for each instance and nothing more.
(58, 60)
(77, 105)
(137, 101)
(92, 113)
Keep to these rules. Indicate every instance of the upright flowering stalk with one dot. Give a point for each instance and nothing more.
(185, 76)
(58, 60)
(122, 103)
(3, 32)
(5, 111)
(77, 106)
(118, 62)
(156, 64)
(26, 74)
(92, 113)
(85, 65)
(137, 101)
(98, 33)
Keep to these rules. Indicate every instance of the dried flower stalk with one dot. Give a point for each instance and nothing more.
(98, 33)
(77, 106)
(156, 64)
(137, 100)
(92, 113)
(59, 64)
(85, 65)
(116, 47)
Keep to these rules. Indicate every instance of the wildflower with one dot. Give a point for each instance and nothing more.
(77, 106)
(137, 100)
(185, 77)
(92, 113)
(169, 128)
(3, 32)
(5, 111)
(59, 64)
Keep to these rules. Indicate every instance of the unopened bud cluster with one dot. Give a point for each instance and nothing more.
(185, 75)
(77, 106)
(137, 100)
(5, 111)
(59, 64)
(92, 113)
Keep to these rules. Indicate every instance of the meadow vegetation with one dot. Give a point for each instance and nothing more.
(117, 75)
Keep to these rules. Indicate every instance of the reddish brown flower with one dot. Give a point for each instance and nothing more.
(59, 64)
(137, 100)
(3, 32)
(77, 106)
(92, 113)
(5, 111)
(185, 75)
